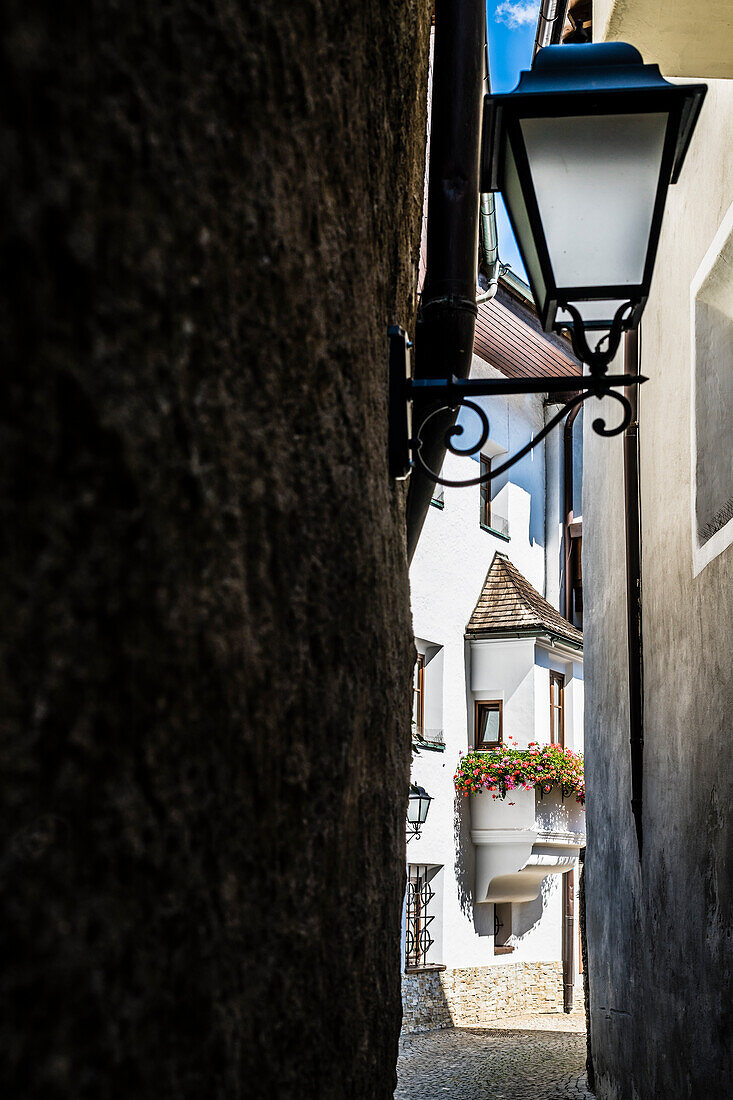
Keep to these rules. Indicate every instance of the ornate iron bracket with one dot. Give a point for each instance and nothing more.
(434, 396)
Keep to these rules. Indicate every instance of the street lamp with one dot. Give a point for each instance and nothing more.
(583, 151)
(417, 810)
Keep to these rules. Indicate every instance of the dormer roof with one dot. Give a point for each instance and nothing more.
(509, 604)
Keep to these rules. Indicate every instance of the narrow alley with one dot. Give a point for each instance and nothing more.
(532, 1057)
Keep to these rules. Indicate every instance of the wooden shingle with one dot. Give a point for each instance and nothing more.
(510, 604)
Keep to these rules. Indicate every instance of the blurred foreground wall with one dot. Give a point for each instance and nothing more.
(210, 213)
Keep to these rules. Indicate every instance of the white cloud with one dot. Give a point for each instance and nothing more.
(517, 13)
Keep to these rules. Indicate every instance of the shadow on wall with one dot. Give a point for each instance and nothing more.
(529, 472)
(465, 856)
(527, 914)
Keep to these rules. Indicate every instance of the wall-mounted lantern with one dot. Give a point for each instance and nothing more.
(583, 152)
(417, 810)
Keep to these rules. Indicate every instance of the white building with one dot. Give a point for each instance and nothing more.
(494, 654)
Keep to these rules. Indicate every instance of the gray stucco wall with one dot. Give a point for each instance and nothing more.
(210, 213)
(660, 935)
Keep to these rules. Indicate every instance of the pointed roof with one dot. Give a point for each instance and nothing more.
(508, 604)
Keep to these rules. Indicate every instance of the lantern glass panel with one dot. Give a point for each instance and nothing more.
(514, 198)
(594, 314)
(596, 180)
(417, 807)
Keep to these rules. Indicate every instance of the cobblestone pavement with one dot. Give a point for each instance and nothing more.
(537, 1057)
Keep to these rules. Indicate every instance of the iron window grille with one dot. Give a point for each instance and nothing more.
(419, 896)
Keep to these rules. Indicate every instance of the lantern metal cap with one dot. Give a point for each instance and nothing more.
(603, 73)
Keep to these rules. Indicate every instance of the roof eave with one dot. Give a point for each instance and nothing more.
(528, 632)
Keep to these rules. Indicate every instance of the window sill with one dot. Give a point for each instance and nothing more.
(427, 968)
(503, 950)
(493, 531)
(430, 746)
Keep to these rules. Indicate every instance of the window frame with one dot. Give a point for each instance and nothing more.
(494, 704)
(419, 696)
(485, 492)
(557, 678)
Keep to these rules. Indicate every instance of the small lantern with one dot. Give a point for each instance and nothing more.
(417, 809)
(583, 151)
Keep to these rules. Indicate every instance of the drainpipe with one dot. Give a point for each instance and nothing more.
(489, 238)
(568, 940)
(550, 23)
(633, 589)
(568, 896)
(447, 318)
(567, 511)
(489, 263)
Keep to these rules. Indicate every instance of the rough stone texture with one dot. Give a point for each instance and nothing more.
(209, 216)
(526, 1057)
(660, 932)
(479, 994)
(424, 1004)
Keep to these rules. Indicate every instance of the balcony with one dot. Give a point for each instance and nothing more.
(673, 35)
(522, 839)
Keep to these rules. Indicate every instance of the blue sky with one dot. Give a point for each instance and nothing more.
(511, 26)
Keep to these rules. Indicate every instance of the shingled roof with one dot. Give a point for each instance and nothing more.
(508, 604)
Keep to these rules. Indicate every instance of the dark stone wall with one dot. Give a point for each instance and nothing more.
(660, 929)
(210, 213)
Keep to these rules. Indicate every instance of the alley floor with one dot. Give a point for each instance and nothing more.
(536, 1057)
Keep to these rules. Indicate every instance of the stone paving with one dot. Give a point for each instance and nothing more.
(535, 1057)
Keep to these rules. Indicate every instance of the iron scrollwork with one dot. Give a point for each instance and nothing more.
(434, 397)
(599, 426)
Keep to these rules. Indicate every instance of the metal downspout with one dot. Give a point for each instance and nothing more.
(490, 265)
(568, 940)
(633, 590)
(567, 510)
(447, 318)
(568, 908)
(550, 23)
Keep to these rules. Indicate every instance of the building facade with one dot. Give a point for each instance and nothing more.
(660, 921)
(484, 933)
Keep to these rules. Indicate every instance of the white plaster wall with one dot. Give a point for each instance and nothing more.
(447, 575)
(571, 667)
(505, 670)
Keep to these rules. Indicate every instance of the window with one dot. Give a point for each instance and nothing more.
(438, 497)
(712, 398)
(420, 895)
(557, 708)
(485, 517)
(502, 929)
(489, 724)
(418, 701)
